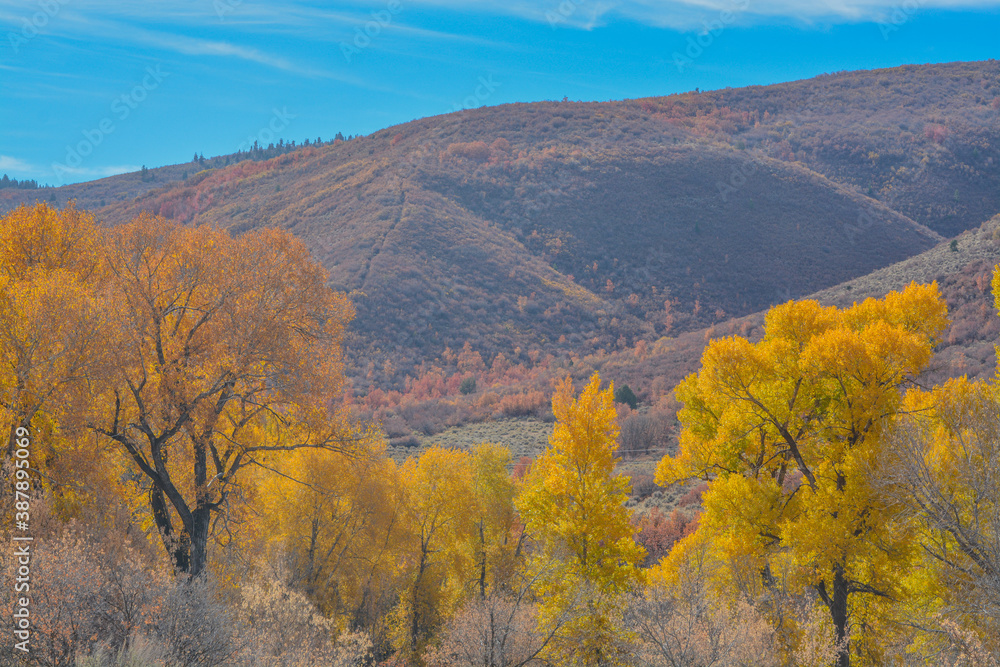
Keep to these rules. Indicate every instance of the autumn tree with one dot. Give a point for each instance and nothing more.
(227, 354)
(339, 522)
(52, 340)
(49, 330)
(787, 432)
(438, 487)
(496, 546)
(945, 476)
(573, 506)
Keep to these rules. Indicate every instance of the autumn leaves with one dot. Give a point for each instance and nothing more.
(810, 484)
(170, 357)
(185, 386)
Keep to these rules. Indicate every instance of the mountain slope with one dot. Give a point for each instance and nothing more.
(575, 227)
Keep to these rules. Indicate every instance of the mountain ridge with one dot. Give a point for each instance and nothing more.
(573, 227)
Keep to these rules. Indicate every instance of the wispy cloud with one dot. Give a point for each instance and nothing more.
(8, 163)
(89, 173)
(23, 168)
(281, 15)
(687, 14)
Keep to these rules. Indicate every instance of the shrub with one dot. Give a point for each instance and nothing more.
(468, 385)
(658, 532)
(285, 629)
(521, 404)
(641, 434)
(693, 497)
(499, 630)
(472, 150)
(624, 394)
(642, 485)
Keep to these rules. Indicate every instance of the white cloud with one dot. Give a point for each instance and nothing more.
(688, 14)
(8, 163)
(277, 15)
(63, 175)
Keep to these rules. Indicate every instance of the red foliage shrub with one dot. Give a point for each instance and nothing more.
(658, 533)
(693, 497)
(935, 132)
(521, 467)
(521, 404)
(471, 150)
(501, 145)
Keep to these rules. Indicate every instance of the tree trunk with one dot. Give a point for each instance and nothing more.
(482, 562)
(837, 604)
(202, 518)
(176, 545)
(188, 549)
(415, 621)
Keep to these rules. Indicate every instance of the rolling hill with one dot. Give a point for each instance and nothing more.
(575, 228)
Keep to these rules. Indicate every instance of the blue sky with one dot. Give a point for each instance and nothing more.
(96, 87)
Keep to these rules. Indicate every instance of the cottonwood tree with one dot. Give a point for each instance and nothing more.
(441, 522)
(339, 521)
(52, 339)
(786, 431)
(227, 354)
(50, 331)
(585, 557)
(945, 476)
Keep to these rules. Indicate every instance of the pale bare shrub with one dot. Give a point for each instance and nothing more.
(284, 629)
(679, 621)
(196, 629)
(815, 644)
(694, 631)
(64, 591)
(140, 652)
(498, 631)
(968, 647)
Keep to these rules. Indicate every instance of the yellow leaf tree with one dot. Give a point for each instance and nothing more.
(788, 430)
(945, 472)
(494, 546)
(339, 519)
(226, 355)
(584, 556)
(51, 339)
(440, 515)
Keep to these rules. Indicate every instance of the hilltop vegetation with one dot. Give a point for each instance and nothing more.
(570, 228)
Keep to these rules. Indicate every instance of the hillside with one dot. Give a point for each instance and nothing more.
(512, 402)
(576, 228)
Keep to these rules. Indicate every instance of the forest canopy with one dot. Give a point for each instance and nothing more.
(200, 489)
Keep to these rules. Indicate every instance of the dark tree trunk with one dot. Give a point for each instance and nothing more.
(176, 545)
(836, 602)
(188, 549)
(202, 519)
(482, 562)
